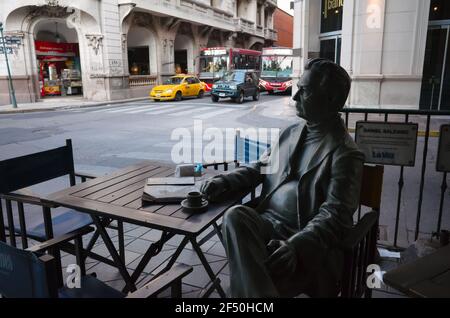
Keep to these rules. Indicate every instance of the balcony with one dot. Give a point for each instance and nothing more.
(244, 25)
(142, 80)
(201, 13)
(259, 31)
(270, 34)
(189, 10)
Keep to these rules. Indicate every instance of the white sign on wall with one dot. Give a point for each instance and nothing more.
(387, 143)
(443, 159)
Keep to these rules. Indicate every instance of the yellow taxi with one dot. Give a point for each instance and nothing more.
(177, 87)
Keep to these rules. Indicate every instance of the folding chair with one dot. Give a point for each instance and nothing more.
(22, 172)
(32, 274)
(360, 244)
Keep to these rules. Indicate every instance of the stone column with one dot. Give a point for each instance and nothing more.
(110, 43)
(201, 35)
(301, 39)
(262, 14)
(166, 30)
(362, 48)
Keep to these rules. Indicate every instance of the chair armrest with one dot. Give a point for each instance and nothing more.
(84, 176)
(25, 198)
(360, 230)
(54, 242)
(162, 282)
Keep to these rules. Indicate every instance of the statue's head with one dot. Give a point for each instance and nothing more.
(322, 90)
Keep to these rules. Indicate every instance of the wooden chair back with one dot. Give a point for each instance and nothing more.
(24, 274)
(25, 171)
(360, 244)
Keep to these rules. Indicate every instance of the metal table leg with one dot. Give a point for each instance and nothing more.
(208, 268)
(112, 250)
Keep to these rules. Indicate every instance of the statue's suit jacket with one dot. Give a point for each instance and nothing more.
(328, 195)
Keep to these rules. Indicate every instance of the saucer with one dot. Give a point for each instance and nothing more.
(190, 208)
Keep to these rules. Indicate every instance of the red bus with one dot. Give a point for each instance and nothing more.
(276, 73)
(215, 62)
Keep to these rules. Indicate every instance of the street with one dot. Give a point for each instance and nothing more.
(114, 136)
(110, 137)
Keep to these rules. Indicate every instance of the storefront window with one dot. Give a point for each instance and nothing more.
(331, 27)
(59, 68)
(440, 10)
(138, 60)
(331, 17)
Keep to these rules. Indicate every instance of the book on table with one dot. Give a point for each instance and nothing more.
(168, 190)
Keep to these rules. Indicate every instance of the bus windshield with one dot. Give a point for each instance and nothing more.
(213, 66)
(234, 76)
(276, 66)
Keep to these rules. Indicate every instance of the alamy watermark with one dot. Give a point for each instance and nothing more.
(375, 277)
(73, 280)
(215, 145)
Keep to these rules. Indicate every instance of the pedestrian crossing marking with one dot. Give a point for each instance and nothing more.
(164, 111)
(190, 111)
(212, 114)
(146, 109)
(125, 109)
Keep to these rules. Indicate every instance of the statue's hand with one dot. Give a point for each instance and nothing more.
(283, 258)
(213, 188)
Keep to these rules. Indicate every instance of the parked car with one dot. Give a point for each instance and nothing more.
(236, 84)
(177, 87)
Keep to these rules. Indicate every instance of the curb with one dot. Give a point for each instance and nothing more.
(34, 110)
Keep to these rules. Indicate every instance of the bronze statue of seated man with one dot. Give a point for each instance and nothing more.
(289, 243)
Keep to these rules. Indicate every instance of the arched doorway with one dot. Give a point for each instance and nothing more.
(57, 58)
(142, 51)
(257, 46)
(184, 51)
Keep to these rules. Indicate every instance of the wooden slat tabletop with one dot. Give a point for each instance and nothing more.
(428, 276)
(118, 196)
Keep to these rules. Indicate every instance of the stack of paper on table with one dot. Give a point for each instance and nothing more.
(168, 190)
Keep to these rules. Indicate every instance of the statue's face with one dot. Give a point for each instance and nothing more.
(312, 101)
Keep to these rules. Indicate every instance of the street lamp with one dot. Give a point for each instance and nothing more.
(12, 94)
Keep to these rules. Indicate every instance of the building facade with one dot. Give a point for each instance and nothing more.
(118, 49)
(283, 23)
(396, 51)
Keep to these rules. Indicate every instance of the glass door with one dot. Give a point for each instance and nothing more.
(330, 48)
(435, 93)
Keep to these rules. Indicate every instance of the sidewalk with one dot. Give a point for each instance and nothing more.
(60, 103)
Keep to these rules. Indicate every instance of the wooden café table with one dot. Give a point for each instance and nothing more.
(117, 196)
(427, 277)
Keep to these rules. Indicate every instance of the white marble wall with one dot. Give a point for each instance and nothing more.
(383, 47)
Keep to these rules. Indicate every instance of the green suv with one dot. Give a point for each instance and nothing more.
(236, 84)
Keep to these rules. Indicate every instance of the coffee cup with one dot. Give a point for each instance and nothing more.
(194, 199)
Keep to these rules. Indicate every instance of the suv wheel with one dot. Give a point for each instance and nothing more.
(256, 96)
(200, 94)
(240, 99)
(178, 96)
(215, 99)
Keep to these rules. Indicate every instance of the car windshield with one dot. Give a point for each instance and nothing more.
(173, 81)
(234, 76)
(276, 66)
